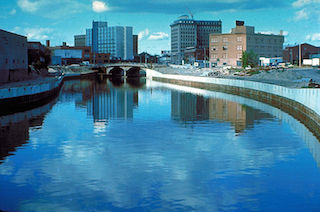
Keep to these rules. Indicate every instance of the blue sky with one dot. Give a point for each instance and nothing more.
(60, 20)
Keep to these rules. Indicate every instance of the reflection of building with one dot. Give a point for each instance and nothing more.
(14, 129)
(116, 103)
(189, 33)
(102, 100)
(13, 57)
(189, 107)
(226, 49)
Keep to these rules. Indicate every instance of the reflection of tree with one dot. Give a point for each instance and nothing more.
(188, 107)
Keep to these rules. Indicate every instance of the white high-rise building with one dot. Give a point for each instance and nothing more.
(116, 40)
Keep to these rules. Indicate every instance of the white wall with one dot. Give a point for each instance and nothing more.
(68, 53)
(310, 97)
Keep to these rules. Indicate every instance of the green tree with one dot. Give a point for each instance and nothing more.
(244, 59)
(249, 58)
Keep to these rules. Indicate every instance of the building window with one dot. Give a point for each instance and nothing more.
(225, 55)
(225, 47)
(239, 48)
(13, 61)
(239, 39)
(214, 56)
(239, 56)
(214, 48)
(225, 39)
(214, 40)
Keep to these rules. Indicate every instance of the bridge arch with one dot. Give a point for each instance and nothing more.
(116, 72)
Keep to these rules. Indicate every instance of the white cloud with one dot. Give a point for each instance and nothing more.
(29, 6)
(158, 36)
(143, 34)
(301, 15)
(313, 37)
(13, 12)
(52, 9)
(302, 3)
(306, 9)
(99, 6)
(39, 34)
(285, 33)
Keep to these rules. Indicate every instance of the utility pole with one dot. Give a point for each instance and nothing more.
(299, 55)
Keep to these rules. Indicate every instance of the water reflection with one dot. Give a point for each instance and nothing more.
(145, 158)
(14, 128)
(187, 107)
(102, 100)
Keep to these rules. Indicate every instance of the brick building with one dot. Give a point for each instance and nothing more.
(226, 49)
(291, 54)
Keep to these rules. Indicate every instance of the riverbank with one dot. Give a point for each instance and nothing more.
(19, 96)
(289, 77)
(303, 103)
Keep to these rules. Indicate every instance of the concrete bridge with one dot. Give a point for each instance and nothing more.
(122, 70)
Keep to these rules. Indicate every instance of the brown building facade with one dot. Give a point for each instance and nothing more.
(226, 49)
(13, 57)
(291, 54)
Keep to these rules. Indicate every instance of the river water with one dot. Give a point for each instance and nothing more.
(114, 146)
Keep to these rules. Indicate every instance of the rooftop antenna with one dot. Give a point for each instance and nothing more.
(191, 15)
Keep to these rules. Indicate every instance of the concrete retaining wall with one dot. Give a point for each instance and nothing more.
(302, 104)
(32, 89)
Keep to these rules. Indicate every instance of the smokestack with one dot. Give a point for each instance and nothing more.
(64, 43)
(239, 23)
(48, 43)
(281, 32)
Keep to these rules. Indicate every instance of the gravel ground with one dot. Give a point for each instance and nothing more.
(295, 78)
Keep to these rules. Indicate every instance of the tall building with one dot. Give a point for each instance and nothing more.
(116, 40)
(79, 40)
(192, 35)
(226, 49)
(13, 57)
(135, 45)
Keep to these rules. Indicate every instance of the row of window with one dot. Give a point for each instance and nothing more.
(215, 48)
(225, 56)
(216, 39)
(14, 61)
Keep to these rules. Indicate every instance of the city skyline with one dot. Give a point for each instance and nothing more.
(59, 21)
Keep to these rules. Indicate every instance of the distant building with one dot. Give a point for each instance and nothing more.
(226, 49)
(145, 57)
(100, 58)
(70, 55)
(66, 55)
(291, 54)
(13, 57)
(165, 57)
(79, 40)
(135, 45)
(188, 33)
(116, 40)
(264, 61)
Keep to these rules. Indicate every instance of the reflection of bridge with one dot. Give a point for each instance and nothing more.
(123, 69)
